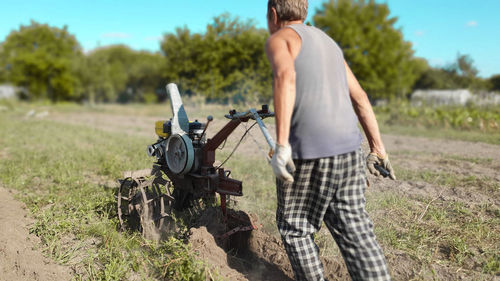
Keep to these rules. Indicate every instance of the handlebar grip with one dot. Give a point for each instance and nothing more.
(382, 170)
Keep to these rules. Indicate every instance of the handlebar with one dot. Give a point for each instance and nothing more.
(256, 115)
(251, 114)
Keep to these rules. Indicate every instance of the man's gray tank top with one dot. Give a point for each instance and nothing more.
(323, 122)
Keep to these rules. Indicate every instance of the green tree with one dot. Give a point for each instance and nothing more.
(462, 74)
(438, 78)
(118, 73)
(227, 62)
(465, 66)
(183, 51)
(107, 72)
(3, 66)
(374, 49)
(467, 74)
(146, 77)
(40, 58)
(495, 82)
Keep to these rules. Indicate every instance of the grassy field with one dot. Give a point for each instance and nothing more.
(65, 167)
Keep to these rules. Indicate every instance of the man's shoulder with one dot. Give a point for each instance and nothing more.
(285, 35)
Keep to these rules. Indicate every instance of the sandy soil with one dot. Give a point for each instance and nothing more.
(20, 256)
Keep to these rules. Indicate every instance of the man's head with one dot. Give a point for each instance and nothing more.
(281, 12)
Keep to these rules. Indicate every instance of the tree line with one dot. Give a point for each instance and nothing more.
(226, 63)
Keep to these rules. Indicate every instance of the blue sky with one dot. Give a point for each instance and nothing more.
(438, 29)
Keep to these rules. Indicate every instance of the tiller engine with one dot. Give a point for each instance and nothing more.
(185, 172)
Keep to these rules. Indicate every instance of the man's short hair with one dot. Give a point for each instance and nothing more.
(288, 10)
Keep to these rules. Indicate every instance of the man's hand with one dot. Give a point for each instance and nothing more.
(282, 163)
(378, 165)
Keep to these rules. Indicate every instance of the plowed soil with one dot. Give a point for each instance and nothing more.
(247, 255)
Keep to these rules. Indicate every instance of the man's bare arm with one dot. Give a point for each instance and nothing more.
(282, 61)
(365, 114)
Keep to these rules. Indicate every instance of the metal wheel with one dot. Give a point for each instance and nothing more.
(127, 215)
(145, 205)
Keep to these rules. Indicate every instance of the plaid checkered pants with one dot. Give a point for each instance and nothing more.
(330, 190)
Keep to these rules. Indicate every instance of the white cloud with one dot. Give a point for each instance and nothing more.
(419, 33)
(472, 23)
(153, 38)
(116, 35)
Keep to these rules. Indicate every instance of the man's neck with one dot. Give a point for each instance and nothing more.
(287, 23)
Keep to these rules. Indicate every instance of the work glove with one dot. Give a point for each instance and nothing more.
(282, 163)
(380, 166)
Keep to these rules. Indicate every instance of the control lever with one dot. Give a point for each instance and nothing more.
(209, 119)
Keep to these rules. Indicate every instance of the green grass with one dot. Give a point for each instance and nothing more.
(64, 174)
(475, 160)
(440, 231)
(441, 133)
(483, 183)
(444, 231)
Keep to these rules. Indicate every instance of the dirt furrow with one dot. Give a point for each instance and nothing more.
(20, 257)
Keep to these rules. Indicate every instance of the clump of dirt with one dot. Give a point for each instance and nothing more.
(207, 249)
(402, 266)
(247, 255)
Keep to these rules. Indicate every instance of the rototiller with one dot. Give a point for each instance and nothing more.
(184, 173)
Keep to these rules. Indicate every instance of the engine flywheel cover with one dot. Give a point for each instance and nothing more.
(179, 154)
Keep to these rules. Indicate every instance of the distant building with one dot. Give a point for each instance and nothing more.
(486, 99)
(441, 97)
(7, 91)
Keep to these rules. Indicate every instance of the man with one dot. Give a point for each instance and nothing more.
(318, 102)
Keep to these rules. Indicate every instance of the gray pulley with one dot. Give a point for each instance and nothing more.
(179, 154)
